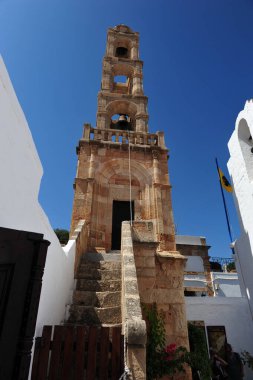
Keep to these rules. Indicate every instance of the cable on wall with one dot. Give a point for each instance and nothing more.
(130, 179)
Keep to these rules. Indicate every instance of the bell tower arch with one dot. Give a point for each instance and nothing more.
(122, 60)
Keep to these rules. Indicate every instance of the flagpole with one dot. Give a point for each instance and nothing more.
(224, 203)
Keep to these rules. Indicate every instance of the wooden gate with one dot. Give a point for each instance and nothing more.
(22, 261)
(78, 353)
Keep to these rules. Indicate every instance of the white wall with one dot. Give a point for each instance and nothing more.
(240, 167)
(21, 173)
(194, 264)
(190, 240)
(226, 284)
(233, 313)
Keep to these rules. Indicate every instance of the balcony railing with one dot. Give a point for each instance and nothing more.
(117, 136)
(220, 264)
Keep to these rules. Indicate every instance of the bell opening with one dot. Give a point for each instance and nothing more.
(121, 52)
(122, 122)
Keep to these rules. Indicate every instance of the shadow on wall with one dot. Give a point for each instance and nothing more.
(243, 259)
(246, 144)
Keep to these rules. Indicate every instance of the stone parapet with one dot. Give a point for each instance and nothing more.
(134, 327)
(80, 234)
(114, 136)
(160, 276)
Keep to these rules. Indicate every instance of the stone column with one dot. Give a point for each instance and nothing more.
(106, 81)
(101, 119)
(156, 171)
(110, 46)
(135, 51)
(137, 85)
(161, 141)
(92, 161)
(86, 131)
(141, 123)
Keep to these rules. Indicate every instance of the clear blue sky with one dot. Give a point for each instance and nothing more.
(198, 73)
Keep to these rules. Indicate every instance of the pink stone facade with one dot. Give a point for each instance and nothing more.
(103, 176)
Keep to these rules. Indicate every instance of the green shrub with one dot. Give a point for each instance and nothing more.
(63, 235)
(161, 359)
(231, 266)
(199, 355)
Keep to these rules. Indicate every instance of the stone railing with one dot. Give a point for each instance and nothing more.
(134, 327)
(80, 234)
(123, 137)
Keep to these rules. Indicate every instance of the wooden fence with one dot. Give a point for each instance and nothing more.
(78, 353)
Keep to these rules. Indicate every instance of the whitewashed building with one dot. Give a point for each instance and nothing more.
(21, 173)
(240, 166)
(214, 300)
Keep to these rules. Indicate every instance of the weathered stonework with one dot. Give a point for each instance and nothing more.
(94, 196)
(160, 281)
(103, 152)
(120, 161)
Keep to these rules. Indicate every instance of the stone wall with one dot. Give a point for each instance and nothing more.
(103, 176)
(160, 280)
(133, 325)
(80, 236)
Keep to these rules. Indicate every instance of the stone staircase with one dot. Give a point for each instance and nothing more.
(97, 298)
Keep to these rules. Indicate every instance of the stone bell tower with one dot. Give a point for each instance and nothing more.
(122, 168)
(122, 175)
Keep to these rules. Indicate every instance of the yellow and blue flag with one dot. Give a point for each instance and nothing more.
(224, 182)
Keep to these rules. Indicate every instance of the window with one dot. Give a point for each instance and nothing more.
(122, 84)
(121, 52)
(217, 339)
(120, 79)
(189, 293)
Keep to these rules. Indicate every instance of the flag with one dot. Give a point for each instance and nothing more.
(224, 182)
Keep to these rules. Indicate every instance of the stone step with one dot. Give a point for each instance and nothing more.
(87, 266)
(97, 257)
(98, 274)
(97, 299)
(98, 285)
(94, 316)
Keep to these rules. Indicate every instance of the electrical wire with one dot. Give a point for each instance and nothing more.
(130, 179)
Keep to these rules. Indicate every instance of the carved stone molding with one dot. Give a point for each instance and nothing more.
(155, 154)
